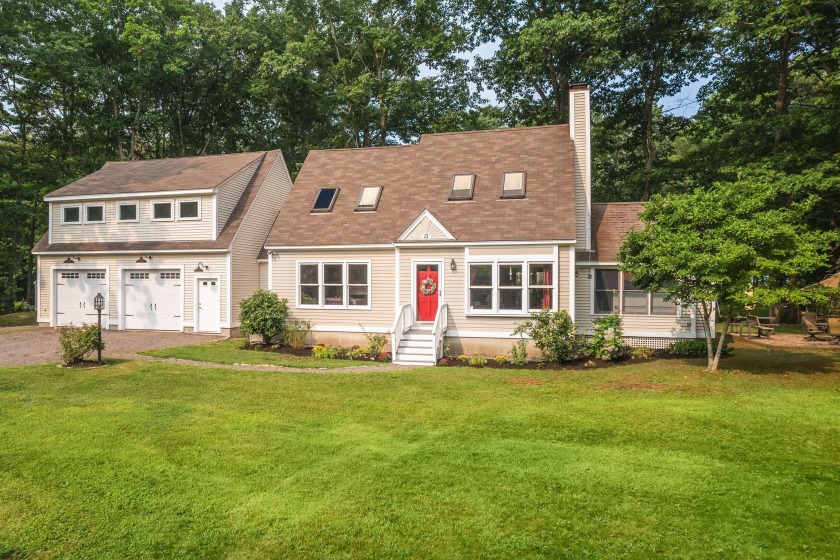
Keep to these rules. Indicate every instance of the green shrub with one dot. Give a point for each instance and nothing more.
(519, 352)
(691, 348)
(264, 314)
(296, 333)
(376, 342)
(20, 307)
(358, 353)
(323, 352)
(478, 361)
(607, 339)
(502, 359)
(642, 353)
(77, 342)
(555, 334)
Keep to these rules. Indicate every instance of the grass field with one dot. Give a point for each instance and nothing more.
(231, 352)
(20, 319)
(648, 460)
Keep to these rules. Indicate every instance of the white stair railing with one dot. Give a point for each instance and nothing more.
(401, 324)
(439, 329)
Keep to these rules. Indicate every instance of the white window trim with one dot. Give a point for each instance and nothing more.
(345, 280)
(81, 215)
(90, 205)
(152, 203)
(136, 204)
(178, 207)
(495, 261)
(620, 312)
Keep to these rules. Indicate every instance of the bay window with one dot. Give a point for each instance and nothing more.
(510, 287)
(333, 284)
(615, 292)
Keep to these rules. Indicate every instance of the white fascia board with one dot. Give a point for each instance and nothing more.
(108, 196)
(320, 247)
(129, 251)
(419, 244)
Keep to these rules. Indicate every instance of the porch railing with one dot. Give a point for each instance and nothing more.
(401, 324)
(439, 329)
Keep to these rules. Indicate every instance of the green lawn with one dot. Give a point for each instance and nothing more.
(231, 352)
(20, 319)
(649, 460)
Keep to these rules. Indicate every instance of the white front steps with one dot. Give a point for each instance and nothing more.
(417, 347)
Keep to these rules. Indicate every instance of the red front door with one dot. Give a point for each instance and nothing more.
(428, 288)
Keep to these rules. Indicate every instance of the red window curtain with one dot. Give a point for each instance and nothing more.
(546, 299)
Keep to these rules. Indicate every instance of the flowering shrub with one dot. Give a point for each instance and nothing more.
(606, 342)
(502, 359)
(324, 352)
(463, 358)
(357, 353)
(384, 356)
(590, 364)
(445, 361)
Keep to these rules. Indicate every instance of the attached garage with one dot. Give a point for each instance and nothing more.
(152, 300)
(74, 293)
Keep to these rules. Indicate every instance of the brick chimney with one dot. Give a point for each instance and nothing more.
(579, 124)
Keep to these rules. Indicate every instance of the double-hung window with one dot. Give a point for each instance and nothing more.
(510, 288)
(334, 284)
(615, 292)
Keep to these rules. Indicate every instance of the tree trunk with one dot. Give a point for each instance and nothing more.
(707, 312)
(648, 148)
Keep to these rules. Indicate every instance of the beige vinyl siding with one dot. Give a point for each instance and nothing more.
(143, 230)
(455, 283)
(216, 261)
(229, 193)
(381, 313)
(634, 325)
(263, 268)
(245, 269)
(581, 157)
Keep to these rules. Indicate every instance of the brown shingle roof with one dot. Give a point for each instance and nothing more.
(156, 175)
(418, 177)
(611, 221)
(223, 240)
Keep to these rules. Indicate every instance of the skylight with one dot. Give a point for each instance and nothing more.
(513, 185)
(369, 199)
(462, 187)
(325, 200)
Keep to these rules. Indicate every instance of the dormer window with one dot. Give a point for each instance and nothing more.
(513, 185)
(325, 200)
(462, 187)
(126, 211)
(189, 210)
(369, 199)
(162, 211)
(71, 215)
(94, 214)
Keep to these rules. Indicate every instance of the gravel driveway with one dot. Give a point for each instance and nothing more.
(36, 345)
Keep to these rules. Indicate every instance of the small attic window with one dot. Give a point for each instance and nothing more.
(369, 199)
(513, 185)
(462, 187)
(325, 200)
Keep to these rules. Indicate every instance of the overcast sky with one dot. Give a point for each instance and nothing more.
(682, 104)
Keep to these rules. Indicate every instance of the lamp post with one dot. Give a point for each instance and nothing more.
(99, 305)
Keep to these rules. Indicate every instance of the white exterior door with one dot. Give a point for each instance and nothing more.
(152, 300)
(75, 290)
(208, 316)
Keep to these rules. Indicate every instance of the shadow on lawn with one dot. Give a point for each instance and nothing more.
(773, 361)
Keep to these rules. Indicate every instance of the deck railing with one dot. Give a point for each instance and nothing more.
(439, 329)
(401, 324)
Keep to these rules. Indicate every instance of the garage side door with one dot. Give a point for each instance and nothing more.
(75, 290)
(153, 300)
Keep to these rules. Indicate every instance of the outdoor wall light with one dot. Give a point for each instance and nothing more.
(71, 259)
(453, 266)
(141, 260)
(201, 267)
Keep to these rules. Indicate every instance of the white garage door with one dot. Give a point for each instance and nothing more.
(75, 290)
(153, 300)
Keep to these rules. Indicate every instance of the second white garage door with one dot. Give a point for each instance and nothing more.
(153, 300)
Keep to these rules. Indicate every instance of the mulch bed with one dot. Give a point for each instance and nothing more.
(303, 352)
(85, 364)
(573, 365)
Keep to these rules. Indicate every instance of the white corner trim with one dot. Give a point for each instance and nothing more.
(215, 216)
(572, 282)
(229, 291)
(588, 179)
(270, 270)
(397, 305)
(425, 215)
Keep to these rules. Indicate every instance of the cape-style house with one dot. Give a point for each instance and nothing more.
(171, 244)
(450, 241)
(456, 239)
